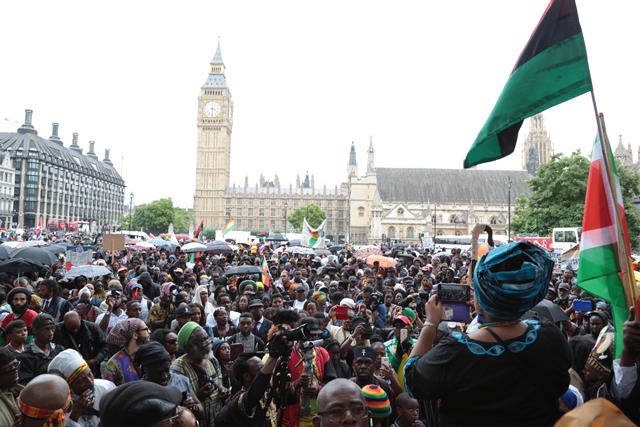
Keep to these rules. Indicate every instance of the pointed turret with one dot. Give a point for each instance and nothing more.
(217, 64)
(352, 167)
(371, 165)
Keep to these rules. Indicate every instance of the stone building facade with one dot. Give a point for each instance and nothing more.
(7, 189)
(382, 203)
(57, 185)
(537, 149)
(264, 205)
(404, 203)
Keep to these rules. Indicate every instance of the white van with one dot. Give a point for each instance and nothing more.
(564, 238)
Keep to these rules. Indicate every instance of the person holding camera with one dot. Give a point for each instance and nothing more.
(310, 368)
(114, 314)
(246, 407)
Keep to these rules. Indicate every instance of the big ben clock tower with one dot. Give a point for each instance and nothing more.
(215, 115)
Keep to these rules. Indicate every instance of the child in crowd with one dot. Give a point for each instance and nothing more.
(408, 412)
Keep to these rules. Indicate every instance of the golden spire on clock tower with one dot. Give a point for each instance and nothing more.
(215, 122)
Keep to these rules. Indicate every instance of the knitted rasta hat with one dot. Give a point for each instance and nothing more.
(377, 401)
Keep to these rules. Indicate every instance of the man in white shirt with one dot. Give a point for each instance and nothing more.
(301, 298)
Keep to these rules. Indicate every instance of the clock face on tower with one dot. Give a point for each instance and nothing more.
(211, 109)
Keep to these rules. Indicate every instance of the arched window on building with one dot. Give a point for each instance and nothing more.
(400, 212)
(391, 232)
(410, 232)
(453, 219)
(493, 220)
(361, 211)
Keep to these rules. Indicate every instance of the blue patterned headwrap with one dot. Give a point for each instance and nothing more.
(510, 280)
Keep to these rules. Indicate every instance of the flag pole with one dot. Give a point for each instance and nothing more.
(624, 258)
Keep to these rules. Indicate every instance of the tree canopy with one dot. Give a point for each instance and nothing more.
(557, 197)
(314, 214)
(156, 216)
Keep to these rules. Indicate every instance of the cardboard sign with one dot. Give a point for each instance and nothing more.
(113, 242)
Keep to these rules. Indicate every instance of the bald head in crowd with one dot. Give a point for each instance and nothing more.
(341, 403)
(47, 394)
(72, 321)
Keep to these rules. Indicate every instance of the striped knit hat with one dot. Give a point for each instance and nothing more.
(319, 296)
(377, 401)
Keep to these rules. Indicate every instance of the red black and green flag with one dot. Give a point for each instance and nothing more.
(552, 69)
(199, 229)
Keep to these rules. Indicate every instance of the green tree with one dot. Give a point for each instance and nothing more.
(182, 219)
(312, 212)
(209, 233)
(156, 216)
(557, 197)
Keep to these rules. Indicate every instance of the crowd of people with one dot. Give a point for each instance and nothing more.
(174, 339)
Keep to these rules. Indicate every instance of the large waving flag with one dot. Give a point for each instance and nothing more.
(313, 237)
(229, 226)
(552, 69)
(604, 227)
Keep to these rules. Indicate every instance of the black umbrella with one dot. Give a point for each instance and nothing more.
(4, 253)
(20, 266)
(36, 254)
(408, 258)
(56, 249)
(549, 311)
(243, 269)
(336, 248)
(217, 247)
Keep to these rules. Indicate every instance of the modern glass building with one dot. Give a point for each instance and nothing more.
(57, 185)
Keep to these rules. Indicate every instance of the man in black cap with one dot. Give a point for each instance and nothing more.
(154, 364)
(251, 342)
(144, 404)
(9, 387)
(364, 365)
(37, 355)
(261, 325)
(183, 315)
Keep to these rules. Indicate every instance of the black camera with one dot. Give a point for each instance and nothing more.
(281, 343)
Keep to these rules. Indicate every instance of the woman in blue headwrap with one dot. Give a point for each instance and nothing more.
(509, 372)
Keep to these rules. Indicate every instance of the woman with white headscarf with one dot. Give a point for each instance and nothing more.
(202, 297)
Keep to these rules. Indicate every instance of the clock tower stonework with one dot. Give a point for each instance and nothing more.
(215, 122)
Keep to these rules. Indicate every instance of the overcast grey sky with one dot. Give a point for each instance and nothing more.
(307, 78)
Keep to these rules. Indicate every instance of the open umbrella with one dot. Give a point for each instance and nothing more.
(193, 247)
(550, 311)
(39, 255)
(159, 242)
(87, 271)
(243, 269)
(365, 251)
(20, 266)
(295, 242)
(276, 237)
(336, 248)
(299, 250)
(407, 258)
(56, 249)
(4, 253)
(383, 261)
(218, 247)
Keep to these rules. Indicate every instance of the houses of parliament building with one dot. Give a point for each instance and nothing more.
(370, 205)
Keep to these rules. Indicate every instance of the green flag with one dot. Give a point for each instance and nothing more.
(552, 69)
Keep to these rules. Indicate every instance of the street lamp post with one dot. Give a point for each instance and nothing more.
(286, 207)
(435, 220)
(509, 182)
(130, 211)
